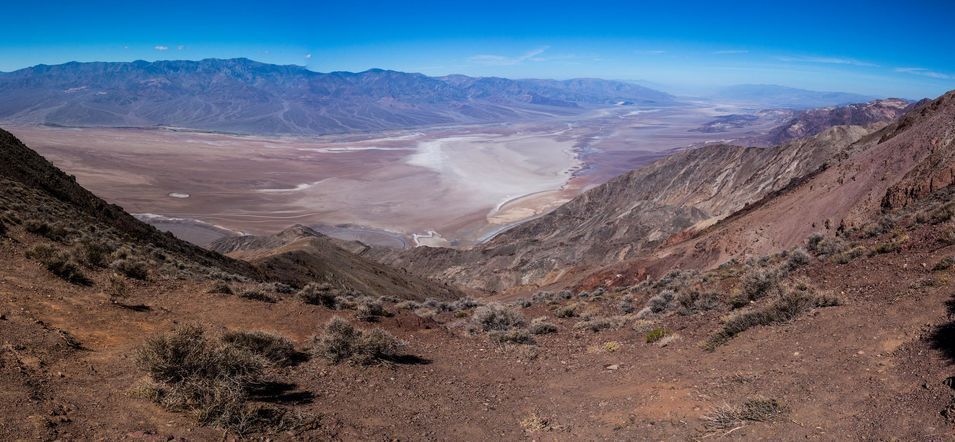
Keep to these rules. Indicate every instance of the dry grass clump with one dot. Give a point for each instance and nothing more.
(938, 215)
(753, 410)
(275, 349)
(343, 342)
(796, 259)
(515, 336)
(656, 335)
(58, 263)
(496, 317)
(192, 373)
(783, 309)
(116, 289)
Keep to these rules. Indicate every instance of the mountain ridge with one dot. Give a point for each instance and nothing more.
(245, 96)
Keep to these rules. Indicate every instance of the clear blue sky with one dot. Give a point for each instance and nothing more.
(880, 48)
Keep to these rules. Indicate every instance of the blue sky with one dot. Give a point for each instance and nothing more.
(881, 48)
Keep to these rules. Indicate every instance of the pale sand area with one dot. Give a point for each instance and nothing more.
(441, 185)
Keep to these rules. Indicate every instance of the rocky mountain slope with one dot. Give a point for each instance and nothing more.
(243, 96)
(813, 121)
(300, 255)
(630, 215)
(28, 170)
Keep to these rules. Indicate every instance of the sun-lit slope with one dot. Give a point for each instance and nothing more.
(888, 169)
(23, 165)
(631, 214)
(300, 255)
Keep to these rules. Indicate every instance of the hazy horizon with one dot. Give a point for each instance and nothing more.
(871, 48)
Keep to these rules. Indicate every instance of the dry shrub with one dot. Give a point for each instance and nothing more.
(656, 335)
(275, 349)
(497, 317)
(190, 372)
(597, 324)
(783, 309)
(343, 342)
(540, 326)
(221, 288)
(322, 294)
(58, 263)
(370, 309)
(254, 295)
(515, 336)
(566, 311)
(131, 267)
(753, 410)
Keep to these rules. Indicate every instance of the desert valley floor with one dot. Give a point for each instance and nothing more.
(442, 186)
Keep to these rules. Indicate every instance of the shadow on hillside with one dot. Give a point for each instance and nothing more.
(943, 338)
(281, 393)
(410, 360)
(134, 307)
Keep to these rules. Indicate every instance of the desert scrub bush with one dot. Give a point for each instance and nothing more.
(540, 326)
(322, 294)
(626, 304)
(819, 245)
(783, 309)
(605, 347)
(566, 311)
(656, 335)
(190, 372)
(753, 410)
(58, 263)
(255, 295)
(221, 288)
(131, 267)
(276, 349)
(755, 284)
(598, 324)
(796, 259)
(116, 289)
(688, 303)
(370, 309)
(342, 342)
(659, 303)
(496, 316)
(466, 303)
(945, 264)
(827, 300)
(408, 305)
(513, 336)
(46, 229)
(849, 255)
(938, 215)
(93, 253)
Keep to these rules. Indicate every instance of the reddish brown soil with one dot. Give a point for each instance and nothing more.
(864, 370)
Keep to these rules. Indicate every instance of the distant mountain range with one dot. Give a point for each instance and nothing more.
(244, 96)
(771, 95)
